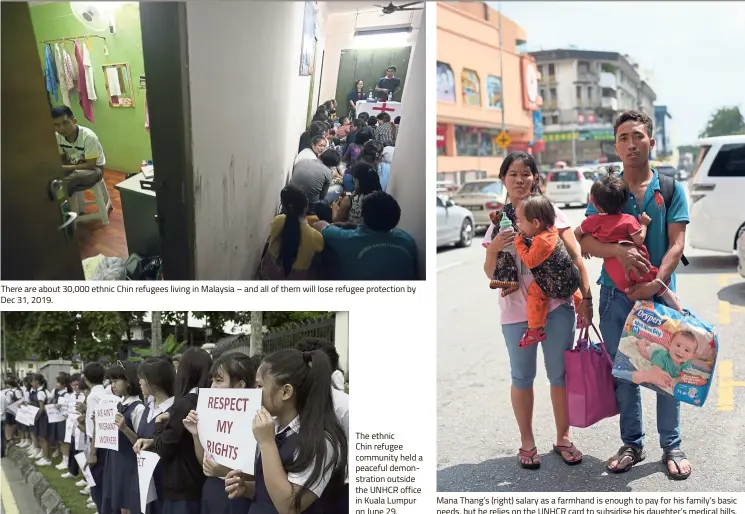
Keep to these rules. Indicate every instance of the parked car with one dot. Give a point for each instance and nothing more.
(455, 224)
(568, 186)
(741, 253)
(446, 188)
(481, 197)
(717, 187)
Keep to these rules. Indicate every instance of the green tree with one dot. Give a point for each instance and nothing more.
(170, 347)
(725, 122)
(102, 333)
(15, 337)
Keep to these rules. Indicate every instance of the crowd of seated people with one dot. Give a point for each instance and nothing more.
(337, 222)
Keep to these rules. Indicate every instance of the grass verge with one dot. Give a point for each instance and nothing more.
(66, 488)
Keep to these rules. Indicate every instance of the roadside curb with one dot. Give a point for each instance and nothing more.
(44, 493)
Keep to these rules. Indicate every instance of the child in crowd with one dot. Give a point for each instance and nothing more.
(609, 196)
(25, 430)
(95, 374)
(156, 376)
(12, 394)
(231, 371)
(339, 397)
(182, 472)
(541, 249)
(56, 432)
(293, 243)
(121, 465)
(683, 346)
(303, 454)
(41, 425)
(75, 401)
(344, 127)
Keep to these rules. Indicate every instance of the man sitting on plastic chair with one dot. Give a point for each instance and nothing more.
(82, 155)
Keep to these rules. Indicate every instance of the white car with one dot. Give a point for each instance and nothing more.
(481, 197)
(568, 186)
(716, 192)
(741, 253)
(455, 225)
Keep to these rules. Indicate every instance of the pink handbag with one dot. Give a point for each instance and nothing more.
(590, 393)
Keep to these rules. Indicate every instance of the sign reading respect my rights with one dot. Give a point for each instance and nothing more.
(225, 426)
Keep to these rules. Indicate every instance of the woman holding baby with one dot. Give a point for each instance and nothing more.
(520, 177)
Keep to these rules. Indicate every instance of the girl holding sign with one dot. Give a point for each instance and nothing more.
(121, 465)
(231, 371)
(74, 398)
(25, 429)
(156, 380)
(293, 468)
(56, 431)
(182, 472)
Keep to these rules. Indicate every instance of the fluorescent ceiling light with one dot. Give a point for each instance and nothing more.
(382, 38)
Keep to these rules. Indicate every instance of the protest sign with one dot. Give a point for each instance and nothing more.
(54, 413)
(27, 415)
(83, 464)
(225, 426)
(146, 462)
(13, 407)
(72, 419)
(107, 433)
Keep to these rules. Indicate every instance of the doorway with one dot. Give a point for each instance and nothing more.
(369, 65)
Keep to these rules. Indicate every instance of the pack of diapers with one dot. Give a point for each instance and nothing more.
(667, 351)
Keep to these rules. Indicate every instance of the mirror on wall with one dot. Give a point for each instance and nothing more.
(119, 85)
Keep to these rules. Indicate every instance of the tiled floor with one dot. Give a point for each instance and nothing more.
(96, 238)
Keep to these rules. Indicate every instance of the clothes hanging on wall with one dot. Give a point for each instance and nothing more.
(50, 72)
(85, 102)
(90, 86)
(65, 79)
(112, 75)
(69, 68)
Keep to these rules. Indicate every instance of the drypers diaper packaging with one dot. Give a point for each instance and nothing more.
(668, 351)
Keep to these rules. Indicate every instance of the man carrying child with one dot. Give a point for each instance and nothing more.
(665, 240)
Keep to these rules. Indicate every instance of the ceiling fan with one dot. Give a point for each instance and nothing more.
(390, 8)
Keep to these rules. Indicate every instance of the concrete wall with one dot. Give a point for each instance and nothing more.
(249, 106)
(409, 167)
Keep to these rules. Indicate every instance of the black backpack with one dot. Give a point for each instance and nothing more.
(667, 189)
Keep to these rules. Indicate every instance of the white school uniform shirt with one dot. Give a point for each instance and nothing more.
(136, 413)
(97, 392)
(157, 410)
(42, 395)
(301, 477)
(4, 403)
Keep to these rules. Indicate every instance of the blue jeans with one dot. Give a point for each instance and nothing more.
(560, 325)
(614, 308)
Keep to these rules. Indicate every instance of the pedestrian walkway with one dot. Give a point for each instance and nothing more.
(17, 495)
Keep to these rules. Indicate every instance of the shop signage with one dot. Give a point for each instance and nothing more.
(579, 135)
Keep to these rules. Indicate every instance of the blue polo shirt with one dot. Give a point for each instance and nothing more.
(653, 204)
(363, 254)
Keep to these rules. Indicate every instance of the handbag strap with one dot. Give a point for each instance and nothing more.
(601, 344)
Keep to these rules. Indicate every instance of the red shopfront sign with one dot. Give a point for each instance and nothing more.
(441, 131)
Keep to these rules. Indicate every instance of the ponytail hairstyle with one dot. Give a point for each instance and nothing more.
(126, 371)
(294, 206)
(27, 383)
(236, 367)
(159, 374)
(193, 371)
(321, 440)
(64, 380)
(42, 380)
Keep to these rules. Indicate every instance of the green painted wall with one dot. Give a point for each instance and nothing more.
(121, 130)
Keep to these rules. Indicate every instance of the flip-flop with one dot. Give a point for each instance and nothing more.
(635, 454)
(535, 462)
(560, 450)
(676, 456)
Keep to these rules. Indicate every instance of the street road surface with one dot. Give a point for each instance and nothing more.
(17, 495)
(477, 433)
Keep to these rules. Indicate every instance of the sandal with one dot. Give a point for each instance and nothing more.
(535, 461)
(532, 336)
(676, 456)
(572, 450)
(635, 454)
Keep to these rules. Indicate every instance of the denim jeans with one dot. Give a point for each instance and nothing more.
(614, 308)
